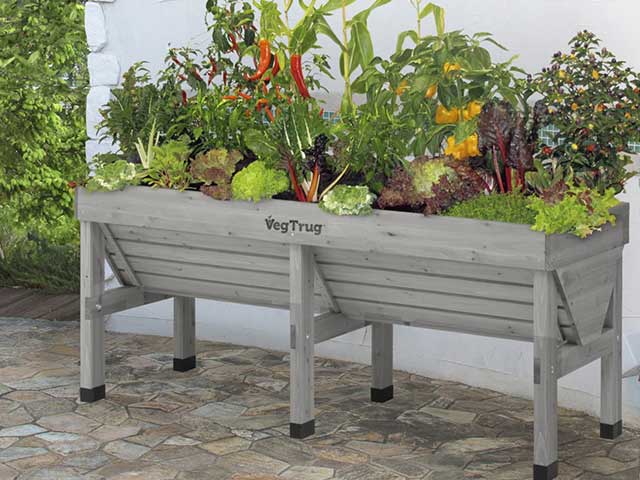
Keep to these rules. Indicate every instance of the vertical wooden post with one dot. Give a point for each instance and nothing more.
(302, 341)
(382, 362)
(545, 318)
(611, 367)
(184, 333)
(92, 258)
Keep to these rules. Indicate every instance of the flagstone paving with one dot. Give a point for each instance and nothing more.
(228, 420)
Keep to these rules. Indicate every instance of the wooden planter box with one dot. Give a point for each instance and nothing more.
(337, 274)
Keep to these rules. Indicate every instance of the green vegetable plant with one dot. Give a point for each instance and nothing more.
(113, 176)
(580, 212)
(215, 169)
(348, 200)
(258, 181)
(431, 185)
(592, 100)
(140, 109)
(170, 166)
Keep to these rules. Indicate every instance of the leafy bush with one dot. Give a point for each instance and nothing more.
(43, 88)
(113, 176)
(509, 207)
(592, 99)
(39, 254)
(580, 212)
(348, 200)
(257, 182)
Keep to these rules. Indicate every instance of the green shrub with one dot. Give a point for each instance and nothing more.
(508, 207)
(39, 255)
(258, 182)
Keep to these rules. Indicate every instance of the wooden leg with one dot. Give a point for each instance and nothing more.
(611, 368)
(545, 314)
(92, 258)
(302, 341)
(184, 333)
(382, 362)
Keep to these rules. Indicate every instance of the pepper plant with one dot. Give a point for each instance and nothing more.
(592, 100)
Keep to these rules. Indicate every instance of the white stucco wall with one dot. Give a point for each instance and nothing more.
(122, 32)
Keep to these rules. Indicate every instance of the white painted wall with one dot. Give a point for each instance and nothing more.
(126, 31)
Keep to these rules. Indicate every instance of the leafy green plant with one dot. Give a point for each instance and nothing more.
(170, 166)
(258, 181)
(431, 185)
(43, 89)
(580, 212)
(146, 152)
(140, 109)
(348, 200)
(113, 176)
(591, 99)
(512, 207)
(509, 142)
(550, 182)
(215, 169)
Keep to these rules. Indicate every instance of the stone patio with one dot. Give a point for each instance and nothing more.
(228, 420)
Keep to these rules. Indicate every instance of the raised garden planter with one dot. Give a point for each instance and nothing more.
(338, 274)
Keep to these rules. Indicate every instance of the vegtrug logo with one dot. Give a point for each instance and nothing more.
(292, 226)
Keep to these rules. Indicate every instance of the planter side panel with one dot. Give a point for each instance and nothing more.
(436, 237)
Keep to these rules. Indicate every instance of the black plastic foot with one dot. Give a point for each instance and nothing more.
(302, 430)
(184, 364)
(90, 395)
(611, 432)
(381, 395)
(545, 473)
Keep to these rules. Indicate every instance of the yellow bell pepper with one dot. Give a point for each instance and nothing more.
(450, 67)
(431, 91)
(447, 116)
(404, 85)
(473, 110)
(465, 149)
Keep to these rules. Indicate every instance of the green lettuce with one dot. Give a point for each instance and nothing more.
(348, 200)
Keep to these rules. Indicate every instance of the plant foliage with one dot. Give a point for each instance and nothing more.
(348, 200)
(113, 176)
(510, 207)
(258, 182)
(592, 100)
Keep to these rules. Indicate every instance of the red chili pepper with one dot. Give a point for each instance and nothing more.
(298, 76)
(224, 78)
(591, 148)
(176, 61)
(244, 96)
(72, 184)
(265, 91)
(278, 96)
(230, 97)
(234, 43)
(212, 71)
(185, 99)
(263, 102)
(197, 76)
(276, 67)
(269, 114)
(321, 112)
(265, 60)
(182, 78)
